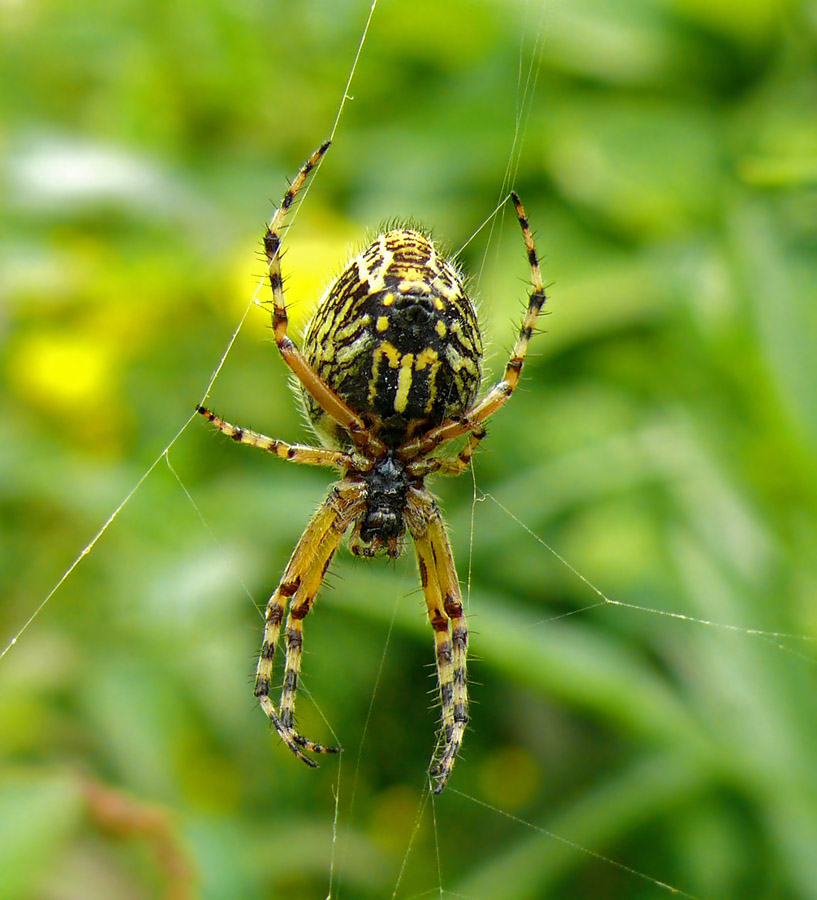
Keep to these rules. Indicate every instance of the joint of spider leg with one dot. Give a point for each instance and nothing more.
(261, 687)
(452, 607)
(445, 652)
(290, 735)
(294, 637)
(286, 589)
(526, 333)
(276, 280)
(515, 198)
(291, 681)
(439, 623)
(298, 612)
(275, 614)
(537, 300)
(272, 241)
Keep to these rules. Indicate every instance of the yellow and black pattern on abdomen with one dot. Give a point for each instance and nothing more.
(397, 338)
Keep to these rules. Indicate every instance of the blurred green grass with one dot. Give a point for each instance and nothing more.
(663, 442)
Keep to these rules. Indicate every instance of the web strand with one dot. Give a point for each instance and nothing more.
(526, 88)
(524, 104)
(356, 775)
(93, 542)
(670, 889)
(86, 550)
(681, 617)
(209, 530)
(414, 832)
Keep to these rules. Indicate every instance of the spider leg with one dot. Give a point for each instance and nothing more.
(471, 422)
(299, 453)
(444, 601)
(454, 465)
(329, 401)
(300, 582)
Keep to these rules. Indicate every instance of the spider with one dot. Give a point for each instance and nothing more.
(389, 376)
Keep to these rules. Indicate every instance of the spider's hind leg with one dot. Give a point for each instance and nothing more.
(298, 586)
(445, 612)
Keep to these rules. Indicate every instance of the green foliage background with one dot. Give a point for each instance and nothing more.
(663, 442)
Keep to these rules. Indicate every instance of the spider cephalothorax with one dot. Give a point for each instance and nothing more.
(382, 525)
(389, 375)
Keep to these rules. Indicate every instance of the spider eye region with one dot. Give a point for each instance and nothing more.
(397, 338)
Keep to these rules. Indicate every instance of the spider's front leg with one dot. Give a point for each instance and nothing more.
(418, 451)
(329, 401)
(297, 453)
(444, 601)
(299, 585)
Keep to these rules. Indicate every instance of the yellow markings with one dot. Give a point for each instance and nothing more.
(352, 329)
(450, 293)
(401, 267)
(394, 358)
(413, 285)
(429, 358)
(404, 382)
(375, 372)
(432, 385)
(391, 353)
(426, 358)
(407, 363)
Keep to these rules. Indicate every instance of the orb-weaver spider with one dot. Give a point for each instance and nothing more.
(389, 374)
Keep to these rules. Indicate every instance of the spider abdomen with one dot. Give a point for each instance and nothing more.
(397, 338)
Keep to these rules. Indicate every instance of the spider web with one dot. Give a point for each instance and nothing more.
(346, 786)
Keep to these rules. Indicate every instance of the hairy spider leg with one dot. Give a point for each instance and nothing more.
(441, 589)
(452, 605)
(454, 465)
(471, 422)
(297, 453)
(299, 585)
(329, 401)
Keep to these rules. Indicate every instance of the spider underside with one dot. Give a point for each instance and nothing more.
(389, 375)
